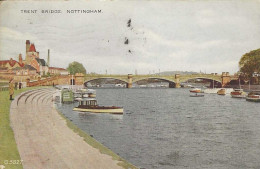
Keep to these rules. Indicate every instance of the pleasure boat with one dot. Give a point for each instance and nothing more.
(195, 90)
(90, 105)
(253, 96)
(238, 93)
(221, 92)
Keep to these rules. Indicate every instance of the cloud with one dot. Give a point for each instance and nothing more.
(11, 34)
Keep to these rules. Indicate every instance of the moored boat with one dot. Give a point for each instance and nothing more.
(238, 93)
(253, 96)
(92, 95)
(221, 92)
(195, 90)
(90, 105)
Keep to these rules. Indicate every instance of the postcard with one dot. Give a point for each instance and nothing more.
(129, 84)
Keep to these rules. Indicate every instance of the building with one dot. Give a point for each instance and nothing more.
(33, 59)
(32, 65)
(26, 70)
(40, 65)
(58, 71)
(11, 64)
(31, 52)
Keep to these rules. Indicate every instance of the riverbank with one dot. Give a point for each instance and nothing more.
(8, 147)
(45, 140)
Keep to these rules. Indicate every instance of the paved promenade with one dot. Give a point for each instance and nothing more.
(44, 140)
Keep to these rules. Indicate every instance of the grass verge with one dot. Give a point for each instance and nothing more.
(8, 148)
(94, 143)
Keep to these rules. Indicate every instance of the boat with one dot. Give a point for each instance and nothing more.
(253, 96)
(238, 93)
(195, 90)
(90, 105)
(91, 95)
(84, 93)
(221, 92)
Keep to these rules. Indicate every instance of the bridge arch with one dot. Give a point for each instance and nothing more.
(172, 83)
(206, 78)
(219, 83)
(93, 79)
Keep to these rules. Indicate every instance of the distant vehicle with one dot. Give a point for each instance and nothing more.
(119, 85)
(163, 86)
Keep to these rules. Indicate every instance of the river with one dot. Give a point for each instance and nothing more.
(166, 129)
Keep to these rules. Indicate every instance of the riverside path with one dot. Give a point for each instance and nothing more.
(45, 141)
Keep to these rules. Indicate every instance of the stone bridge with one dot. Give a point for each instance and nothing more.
(174, 80)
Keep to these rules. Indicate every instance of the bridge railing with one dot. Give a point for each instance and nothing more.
(147, 75)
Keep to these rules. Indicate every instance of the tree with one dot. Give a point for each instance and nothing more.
(76, 67)
(250, 63)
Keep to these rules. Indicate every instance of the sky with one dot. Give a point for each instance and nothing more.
(206, 36)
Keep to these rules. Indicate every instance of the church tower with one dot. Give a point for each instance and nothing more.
(27, 45)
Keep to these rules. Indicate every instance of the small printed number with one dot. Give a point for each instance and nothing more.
(13, 162)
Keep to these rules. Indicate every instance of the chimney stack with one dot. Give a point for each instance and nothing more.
(48, 61)
(20, 58)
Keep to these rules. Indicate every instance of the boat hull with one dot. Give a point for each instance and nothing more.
(111, 111)
(195, 91)
(253, 99)
(196, 95)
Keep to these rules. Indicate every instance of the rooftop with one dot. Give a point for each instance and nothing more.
(41, 62)
(32, 48)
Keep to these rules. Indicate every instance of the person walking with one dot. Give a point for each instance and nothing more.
(11, 89)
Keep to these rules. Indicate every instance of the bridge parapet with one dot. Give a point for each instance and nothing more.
(62, 79)
(184, 78)
(174, 79)
(137, 78)
(130, 79)
(90, 77)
